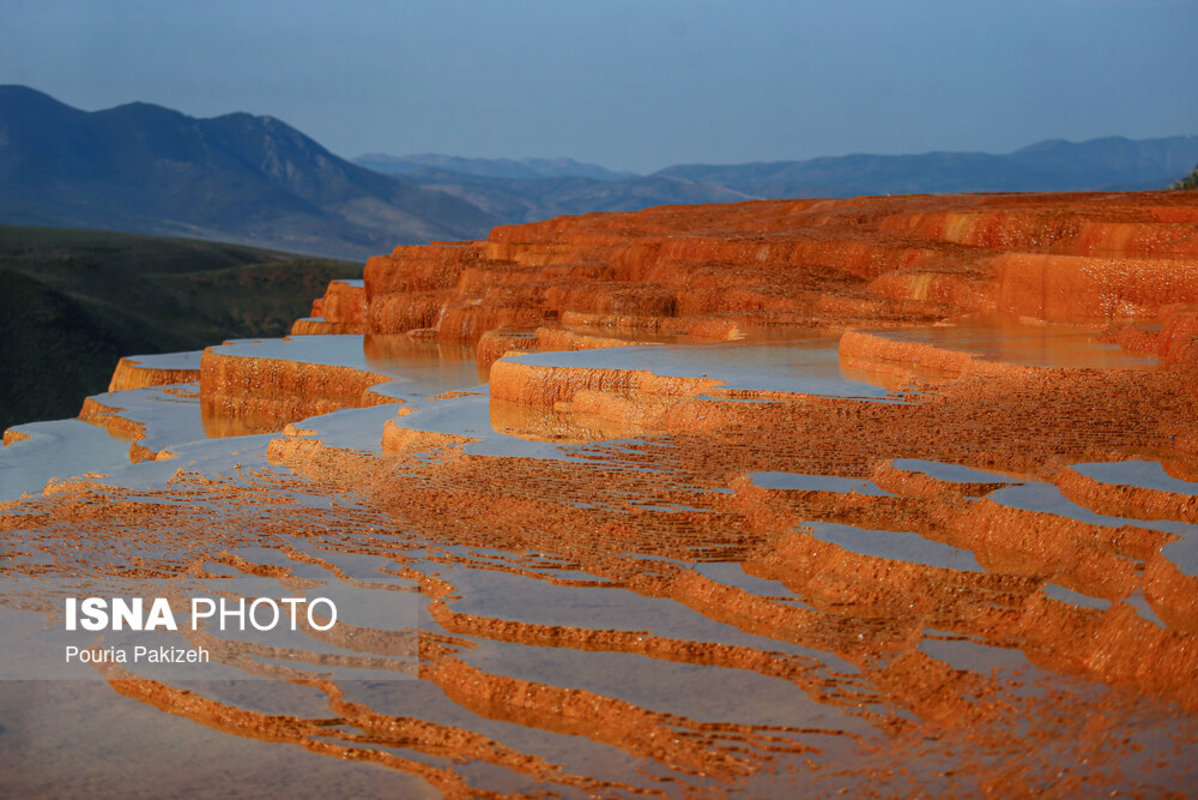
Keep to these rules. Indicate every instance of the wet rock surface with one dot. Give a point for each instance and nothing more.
(889, 496)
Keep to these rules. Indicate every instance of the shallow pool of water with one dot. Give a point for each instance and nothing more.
(1031, 345)
(809, 366)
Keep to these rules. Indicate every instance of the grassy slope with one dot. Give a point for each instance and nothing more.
(75, 301)
(1188, 182)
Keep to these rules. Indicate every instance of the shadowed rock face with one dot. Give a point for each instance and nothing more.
(763, 499)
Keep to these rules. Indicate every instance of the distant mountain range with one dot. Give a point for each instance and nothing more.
(523, 169)
(527, 200)
(238, 178)
(255, 180)
(1111, 164)
(1054, 166)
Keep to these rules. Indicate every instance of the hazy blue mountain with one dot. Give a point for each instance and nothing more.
(255, 180)
(516, 200)
(522, 169)
(241, 178)
(1052, 166)
(507, 192)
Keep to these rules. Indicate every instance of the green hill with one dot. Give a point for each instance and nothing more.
(1188, 182)
(75, 301)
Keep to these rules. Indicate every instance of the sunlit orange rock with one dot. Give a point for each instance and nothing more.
(132, 374)
(629, 531)
(273, 392)
(1064, 257)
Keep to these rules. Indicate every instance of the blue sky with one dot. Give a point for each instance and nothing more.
(632, 85)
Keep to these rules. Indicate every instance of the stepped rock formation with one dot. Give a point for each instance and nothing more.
(713, 271)
(883, 495)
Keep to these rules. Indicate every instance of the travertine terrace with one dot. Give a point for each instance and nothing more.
(784, 498)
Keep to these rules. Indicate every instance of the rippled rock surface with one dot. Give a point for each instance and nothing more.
(882, 496)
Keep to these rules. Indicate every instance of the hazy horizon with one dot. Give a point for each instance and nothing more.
(632, 86)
